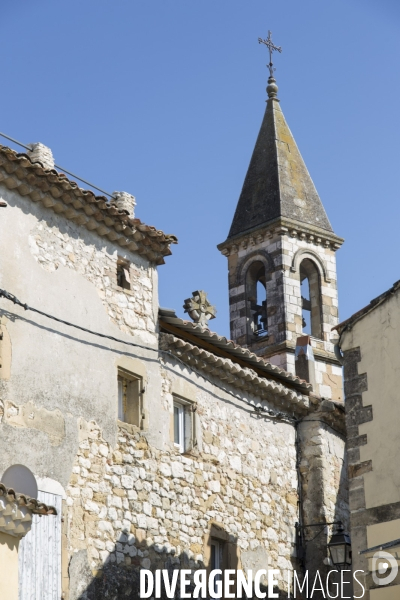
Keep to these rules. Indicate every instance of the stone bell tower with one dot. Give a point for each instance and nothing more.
(281, 260)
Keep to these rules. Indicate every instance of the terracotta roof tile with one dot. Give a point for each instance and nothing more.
(35, 506)
(96, 213)
(168, 316)
(244, 378)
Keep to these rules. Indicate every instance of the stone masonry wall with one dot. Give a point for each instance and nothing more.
(323, 468)
(60, 245)
(131, 503)
(281, 247)
(136, 506)
(282, 251)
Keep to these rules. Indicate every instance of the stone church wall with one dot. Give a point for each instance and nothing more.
(282, 252)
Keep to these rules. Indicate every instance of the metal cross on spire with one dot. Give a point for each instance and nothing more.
(271, 47)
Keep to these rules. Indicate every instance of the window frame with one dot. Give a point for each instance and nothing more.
(130, 404)
(187, 429)
(123, 274)
(179, 427)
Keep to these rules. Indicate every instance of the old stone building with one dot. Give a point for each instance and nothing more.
(370, 341)
(164, 444)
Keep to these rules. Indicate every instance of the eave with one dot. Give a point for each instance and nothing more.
(56, 192)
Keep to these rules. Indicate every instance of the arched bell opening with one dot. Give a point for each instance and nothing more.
(310, 282)
(256, 300)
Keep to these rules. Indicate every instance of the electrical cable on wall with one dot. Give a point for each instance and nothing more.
(14, 299)
(271, 414)
(57, 166)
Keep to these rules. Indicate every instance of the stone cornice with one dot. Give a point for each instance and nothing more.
(55, 191)
(331, 413)
(281, 226)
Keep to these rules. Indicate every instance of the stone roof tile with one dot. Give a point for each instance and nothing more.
(277, 183)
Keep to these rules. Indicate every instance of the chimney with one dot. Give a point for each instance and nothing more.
(124, 201)
(304, 357)
(40, 153)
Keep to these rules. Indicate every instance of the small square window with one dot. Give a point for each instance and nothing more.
(130, 403)
(123, 274)
(183, 425)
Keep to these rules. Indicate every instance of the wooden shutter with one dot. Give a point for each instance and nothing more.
(39, 556)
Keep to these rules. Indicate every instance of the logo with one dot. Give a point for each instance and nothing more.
(384, 568)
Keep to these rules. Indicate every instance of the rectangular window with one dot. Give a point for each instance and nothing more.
(130, 402)
(123, 274)
(183, 425)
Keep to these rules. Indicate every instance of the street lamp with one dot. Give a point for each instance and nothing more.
(340, 548)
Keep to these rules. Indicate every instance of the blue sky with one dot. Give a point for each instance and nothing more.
(164, 99)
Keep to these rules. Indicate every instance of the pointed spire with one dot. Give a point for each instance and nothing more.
(277, 183)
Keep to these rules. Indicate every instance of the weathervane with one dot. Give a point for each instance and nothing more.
(271, 47)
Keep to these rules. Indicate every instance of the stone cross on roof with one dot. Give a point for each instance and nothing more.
(271, 47)
(199, 308)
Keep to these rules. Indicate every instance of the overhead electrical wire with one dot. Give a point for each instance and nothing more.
(14, 299)
(58, 166)
(269, 413)
(8, 296)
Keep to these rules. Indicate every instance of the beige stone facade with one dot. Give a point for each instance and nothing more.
(9, 566)
(255, 435)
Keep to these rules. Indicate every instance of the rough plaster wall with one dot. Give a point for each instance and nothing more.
(56, 375)
(371, 372)
(377, 336)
